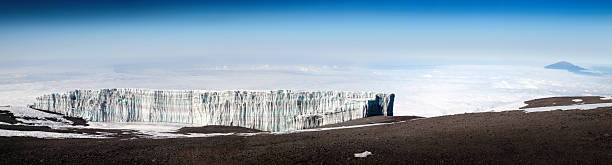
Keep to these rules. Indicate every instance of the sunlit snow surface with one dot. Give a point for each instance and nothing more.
(421, 91)
(25, 112)
(48, 135)
(39, 118)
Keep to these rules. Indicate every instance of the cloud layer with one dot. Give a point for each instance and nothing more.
(423, 91)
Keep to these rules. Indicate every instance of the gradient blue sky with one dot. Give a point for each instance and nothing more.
(364, 33)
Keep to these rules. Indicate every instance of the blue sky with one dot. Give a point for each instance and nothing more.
(362, 33)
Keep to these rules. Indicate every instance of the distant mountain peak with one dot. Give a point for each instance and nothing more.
(564, 65)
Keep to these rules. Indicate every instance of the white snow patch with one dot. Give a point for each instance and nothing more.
(577, 100)
(39, 118)
(511, 106)
(606, 98)
(249, 134)
(47, 135)
(160, 130)
(139, 126)
(106, 133)
(363, 154)
(169, 133)
(167, 130)
(23, 111)
(164, 135)
(161, 135)
(333, 128)
(44, 122)
(152, 130)
(569, 107)
(132, 138)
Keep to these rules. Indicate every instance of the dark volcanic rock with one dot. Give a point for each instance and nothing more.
(8, 117)
(563, 101)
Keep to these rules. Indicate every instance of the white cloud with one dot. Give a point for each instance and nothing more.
(430, 91)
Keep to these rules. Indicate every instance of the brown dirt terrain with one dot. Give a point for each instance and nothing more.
(512, 137)
(562, 101)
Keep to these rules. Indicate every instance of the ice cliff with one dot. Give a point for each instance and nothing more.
(280, 110)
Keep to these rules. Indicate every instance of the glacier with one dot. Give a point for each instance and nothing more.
(279, 110)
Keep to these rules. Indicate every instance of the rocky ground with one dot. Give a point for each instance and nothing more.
(511, 137)
(562, 101)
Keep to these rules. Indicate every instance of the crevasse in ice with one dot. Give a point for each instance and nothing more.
(280, 110)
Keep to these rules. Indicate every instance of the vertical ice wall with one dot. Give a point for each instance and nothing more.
(264, 110)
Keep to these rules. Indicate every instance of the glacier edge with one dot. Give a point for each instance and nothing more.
(279, 110)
